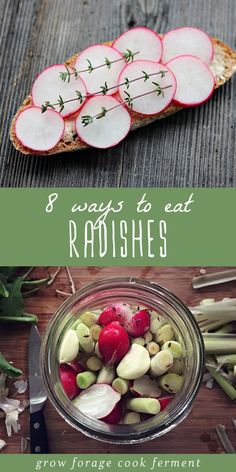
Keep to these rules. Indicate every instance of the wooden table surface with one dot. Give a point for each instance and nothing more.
(194, 148)
(211, 407)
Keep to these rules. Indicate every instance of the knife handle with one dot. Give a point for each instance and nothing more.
(38, 434)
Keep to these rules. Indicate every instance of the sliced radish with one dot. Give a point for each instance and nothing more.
(142, 40)
(195, 81)
(164, 401)
(39, 131)
(113, 343)
(96, 56)
(48, 86)
(146, 387)
(68, 380)
(187, 41)
(107, 131)
(139, 324)
(115, 416)
(77, 366)
(148, 102)
(97, 401)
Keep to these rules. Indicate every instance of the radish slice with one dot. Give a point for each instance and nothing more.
(195, 81)
(39, 131)
(148, 103)
(49, 85)
(187, 41)
(146, 387)
(141, 39)
(97, 401)
(107, 131)
(95, 79)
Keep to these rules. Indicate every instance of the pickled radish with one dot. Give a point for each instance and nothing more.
(91, 401)
(139, 324)
(115, 416)
(145, 79)
(142, 40)
(185, 41)
(195, 81)
(68, 380)
(39, 131)
(99, 74)
(107, 131)
(49, 86)
(113, 343)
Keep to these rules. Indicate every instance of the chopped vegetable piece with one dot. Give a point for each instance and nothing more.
(115, 416)
(161, 362)
(135, 363)
(226, 386)
(171, 383)
(144, 405)
(85, 379)
(153, 348)
(139, 341)
(85, 338)
(131, 417)
(95, 330)
(94, 363)
(69, 347)
(175, 348)
(91, 401)
(121, 385)
(106, 375)
(165, 333)
(146, 387)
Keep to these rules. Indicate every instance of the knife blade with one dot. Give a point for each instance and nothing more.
(37, 396)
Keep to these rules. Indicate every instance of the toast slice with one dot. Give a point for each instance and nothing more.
(223, 66)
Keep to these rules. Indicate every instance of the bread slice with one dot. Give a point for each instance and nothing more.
(223, 66)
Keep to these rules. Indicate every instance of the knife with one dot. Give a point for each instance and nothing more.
(38, 397)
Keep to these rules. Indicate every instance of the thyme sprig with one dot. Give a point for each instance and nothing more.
(127, 56)
(89, 119)
(104, 89)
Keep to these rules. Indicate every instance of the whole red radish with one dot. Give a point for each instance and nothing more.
(164, 402)
(113, 343)
(115, 416)
(68, 380)
(139, 324)
(107, 316)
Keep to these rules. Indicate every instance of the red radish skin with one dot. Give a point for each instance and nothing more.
(107, 131)
(164, 402)
(97, 401)
(139, 324)
(150, 104)
(97, 54)
(115, 416)
(68, 380)
(187, 41)
(124, 312)
(107, 316)
(49, 85)
(195, 81)
(113, 343)
(142, 39)
(77, 366)
(39, 131)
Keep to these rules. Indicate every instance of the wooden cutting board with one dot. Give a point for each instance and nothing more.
(210, 408)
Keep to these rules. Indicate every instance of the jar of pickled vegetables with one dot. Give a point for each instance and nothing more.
(122, 360)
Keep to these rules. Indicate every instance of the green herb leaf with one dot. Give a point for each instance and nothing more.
(8, 368)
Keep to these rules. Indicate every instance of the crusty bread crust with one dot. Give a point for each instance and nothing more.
(224, 66)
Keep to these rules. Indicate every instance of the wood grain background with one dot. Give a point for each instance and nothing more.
(194, 148)
(210, 408)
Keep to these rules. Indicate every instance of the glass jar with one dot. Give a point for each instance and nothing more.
(134, 292)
